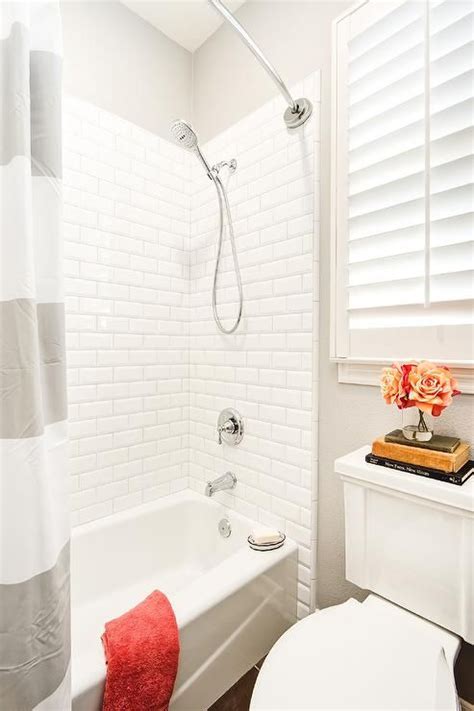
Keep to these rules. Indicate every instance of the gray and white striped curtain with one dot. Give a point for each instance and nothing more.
(34, 520)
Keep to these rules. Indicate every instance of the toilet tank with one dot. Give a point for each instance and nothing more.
(411, 540)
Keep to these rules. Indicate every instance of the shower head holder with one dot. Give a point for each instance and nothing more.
(230, 164)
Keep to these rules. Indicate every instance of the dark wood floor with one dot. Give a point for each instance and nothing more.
(237, 698)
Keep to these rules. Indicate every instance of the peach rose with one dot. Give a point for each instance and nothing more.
(432, 387)
(395, 386)
(389, 384)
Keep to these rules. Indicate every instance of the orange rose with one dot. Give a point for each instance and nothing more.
(432, 387)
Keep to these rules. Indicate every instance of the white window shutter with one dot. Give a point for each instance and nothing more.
(404, 182)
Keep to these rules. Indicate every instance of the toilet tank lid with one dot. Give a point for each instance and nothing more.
(353, 466)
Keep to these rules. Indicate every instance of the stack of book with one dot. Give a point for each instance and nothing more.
(442, 458)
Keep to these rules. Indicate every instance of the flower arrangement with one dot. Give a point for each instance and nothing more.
(423, 384)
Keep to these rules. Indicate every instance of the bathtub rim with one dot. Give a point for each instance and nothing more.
(232, 577)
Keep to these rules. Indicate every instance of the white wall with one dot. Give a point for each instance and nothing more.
(265, 369)
(127, 215)
(120, 63)
(144, 369)
(99, 39)
(131, 349)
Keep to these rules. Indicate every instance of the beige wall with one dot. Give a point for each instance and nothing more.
(119, 62)
(228, 83)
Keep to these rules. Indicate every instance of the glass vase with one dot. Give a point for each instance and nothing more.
(418, 429)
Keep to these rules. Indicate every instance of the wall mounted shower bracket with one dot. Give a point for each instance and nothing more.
(230, 427)
(230, 164)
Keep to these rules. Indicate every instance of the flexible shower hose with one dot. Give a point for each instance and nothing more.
(224, 202)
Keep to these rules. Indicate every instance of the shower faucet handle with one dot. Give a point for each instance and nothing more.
(230, 427)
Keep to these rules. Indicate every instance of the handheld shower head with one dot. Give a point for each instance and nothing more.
(184, 135)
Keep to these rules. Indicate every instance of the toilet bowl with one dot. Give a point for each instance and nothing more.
(370, 655)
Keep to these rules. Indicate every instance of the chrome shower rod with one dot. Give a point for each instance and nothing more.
(300, 110)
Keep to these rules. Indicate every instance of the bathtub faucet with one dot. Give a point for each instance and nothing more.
(226, 481)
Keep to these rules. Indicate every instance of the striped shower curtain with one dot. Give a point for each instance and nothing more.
(34, 522)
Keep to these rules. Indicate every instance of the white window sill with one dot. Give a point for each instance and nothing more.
(367, 372)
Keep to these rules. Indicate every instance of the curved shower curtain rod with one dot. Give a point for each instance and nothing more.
(298, 111)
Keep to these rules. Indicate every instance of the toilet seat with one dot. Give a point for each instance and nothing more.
(370, 655)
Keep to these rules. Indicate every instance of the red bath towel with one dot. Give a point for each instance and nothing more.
(141, 650)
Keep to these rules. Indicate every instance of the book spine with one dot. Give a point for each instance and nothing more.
(410, 469)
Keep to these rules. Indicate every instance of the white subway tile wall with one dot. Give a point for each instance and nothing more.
(148, 370)
(127, 221)
(265, 370)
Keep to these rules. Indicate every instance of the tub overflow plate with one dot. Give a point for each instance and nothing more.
(225, 529)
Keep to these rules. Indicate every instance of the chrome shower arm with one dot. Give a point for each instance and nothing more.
(269, 68)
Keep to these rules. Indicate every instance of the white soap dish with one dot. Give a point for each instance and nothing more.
(267, 546)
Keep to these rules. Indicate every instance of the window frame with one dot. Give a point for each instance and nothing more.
(360, 371)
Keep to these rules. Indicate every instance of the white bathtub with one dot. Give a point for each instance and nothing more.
(231, 603)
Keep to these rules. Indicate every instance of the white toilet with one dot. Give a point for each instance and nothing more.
(411, 541)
